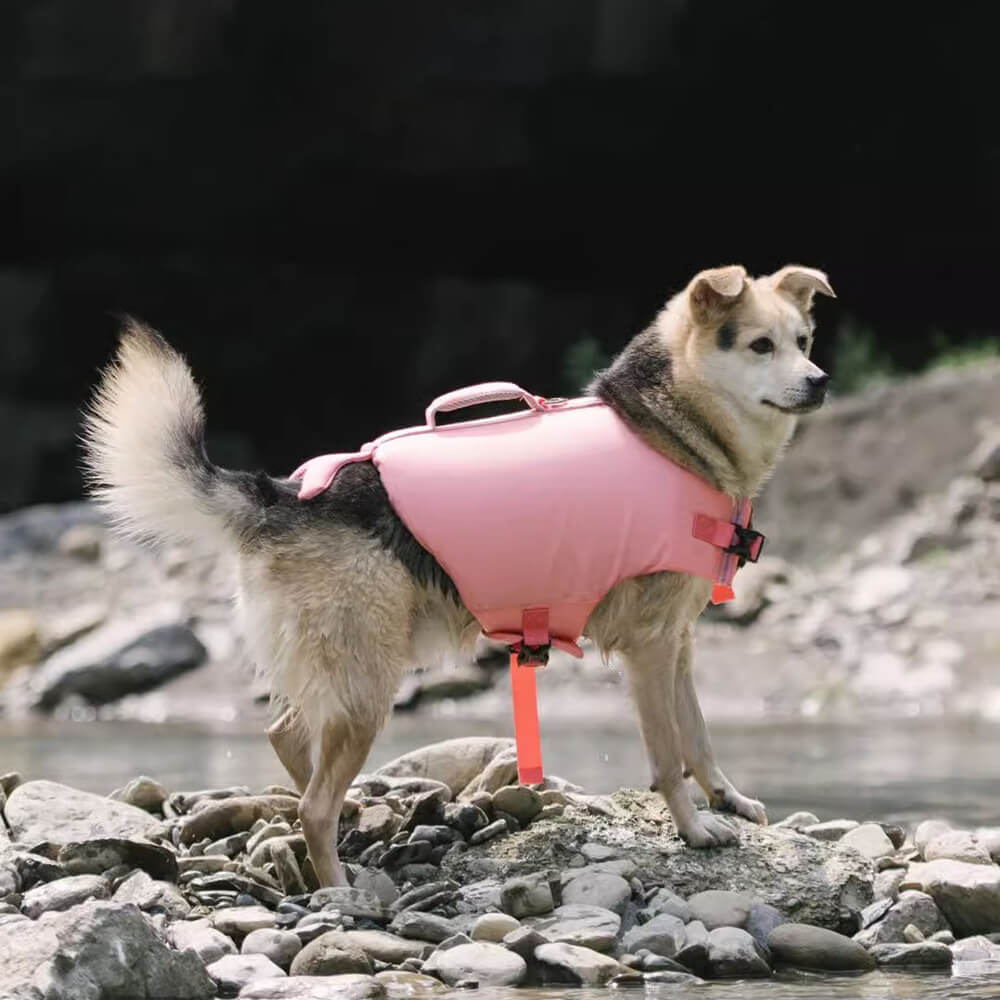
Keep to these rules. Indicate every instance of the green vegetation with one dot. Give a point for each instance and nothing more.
(581, 360)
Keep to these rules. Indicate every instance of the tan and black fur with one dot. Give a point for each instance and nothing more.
(338, 600)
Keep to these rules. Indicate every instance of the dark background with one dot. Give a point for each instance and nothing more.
(341, 210)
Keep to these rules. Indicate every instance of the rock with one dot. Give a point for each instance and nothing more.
(63, 894)
(720, 908)
(378, 884)
(868, 839)
(494, 927)
(280, 947)
(46, 812)
(487, 964)
(151, 895)
(806, 947)
(663, 935)
(985, 459)
(567, 963)
(521, 802)
(201, 938)
(586, 926)
(927, 831)
(912, 934)
(989, 837)
(694, 955)
(330, 955)
(668, 979)
(872, 914)
(87, 670)
(236, 815)
(916, 908)
(957, 845)
(454, 762)
(798, 821)
(238, 921)
(232, 972)
(762, 919)
(95, 857)
(831, 830)
(967, 895)
(488, 832)
(378, 945)
(20, 639)
(732, 954)
(314, 925)
(528, 896)
(349, 901)
(887, 883)
(399, 984)
(144, 793)
(926, 954)
(877, 586)
(975, 949)
(665, 901)
(423, 926)
(96, 950)
(286, 868)
(593, 852)
(347, 987)
(379, 822)
(611, 892)
(946, 937)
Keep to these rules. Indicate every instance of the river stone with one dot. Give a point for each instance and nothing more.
(927, 831)
(663, 935)
(668, 979)
(62, 895)
(868, 839)
(807, 947)
(280, 947)
(521, 802)
(144, 793)
(330, 955)
(831, 830)
(232, 972)
(493, 927)
(586, 926)
(349, 901)
(528, 896)
(798, 821)
(286, 868)
(454, 762)
(967, 895)
(46, 812)
(487, 964)
(694, 954)
(96, 856)
(763, 918)
(379, 945)
(732, 954)
(238, 921)
(347, 987)
(720, 908)
(523, 941)
(887, 883)
(975, 949)
(379, 822)
(665, 901)
(236, 815)
(957, 845)
(912, 907)
(926, 954)
(810, 881)
(313, 925)
(500, 771)
(567, 963)
(611, 892)
(400, 984)
(96, 950)
(989, 837)
(151, 895)
(423, 926)
(200, 937)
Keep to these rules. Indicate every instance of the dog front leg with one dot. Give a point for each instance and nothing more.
(696, 745)
(651, 676)
(289, 737)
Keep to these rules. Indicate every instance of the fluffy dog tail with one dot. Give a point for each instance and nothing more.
(144, 451)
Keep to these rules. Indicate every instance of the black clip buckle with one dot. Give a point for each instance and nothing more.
(745, 543)
(528, 656)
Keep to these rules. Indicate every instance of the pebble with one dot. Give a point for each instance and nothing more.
(232, 972)
(238, 921)
(152, 894)
(926, 954)
(280, 947)
(379, 945)
(807, 947)
(350, 901)
(144, 793)
(330, 955)
(379, 822)
(670, 979)
(611, 892)
(493, 927)
(567, 963)
(665, 901)
(527, 896)
(521, 802)
(524, 941)
(587, 926)
(720, 908)
(199, 936)
(911, 908)
(732, 954)
(423, 926)
(868, 839)
(312, 926)
(488, 964)
(205, 864)
(663, 935)
(494, 829)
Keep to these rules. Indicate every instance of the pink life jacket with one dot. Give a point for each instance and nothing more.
(536, 515)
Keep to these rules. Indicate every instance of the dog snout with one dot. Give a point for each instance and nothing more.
(817, 385)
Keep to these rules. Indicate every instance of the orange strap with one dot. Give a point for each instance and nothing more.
(526, 734)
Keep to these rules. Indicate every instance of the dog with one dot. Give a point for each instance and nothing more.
(338, 599)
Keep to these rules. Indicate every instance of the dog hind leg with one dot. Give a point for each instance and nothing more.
(289, 737)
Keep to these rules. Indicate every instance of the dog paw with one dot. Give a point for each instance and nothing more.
(706, 830)
(733, 801)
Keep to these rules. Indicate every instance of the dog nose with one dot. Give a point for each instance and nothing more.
(818, 381)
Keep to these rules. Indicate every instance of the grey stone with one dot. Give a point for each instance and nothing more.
(269, 830)
(455, 762)
(887, 883)
(235, 815)
(500, 771)
(96, 950)
(567, 963)
(912, 907)
(232, 972)
(720, 908)
(926, 955)
(379, 822)
(330, 955)
(524, 941)
(958, 845)
(201, 938)
(874, 913)
(946, 937)
(423, 926)
(694, 955)
(144, 793)
(63, 895)
(868, 839)
(807, 947)
(280, 947)
(378, 884)
(487, 964)
(94, 857)
(346, 987)
(527, 896)
(349, 901)
(665, 901)
(762, 919)
(377, 945)
(493, 927)
(798, 821)
(989, 837)
(912, 934)
(400, 984)
(488, 832)
(669, 979)
(238, 921)
(611, 892)
(313, 925)
(521, 802)
(975, 949)
(733, 954)
(927, 831)
(831, 830)
(587, 926)
(663, 935)
(967, 895)
(46, 812)
(152, 895)
(286, 867)
(594, 852)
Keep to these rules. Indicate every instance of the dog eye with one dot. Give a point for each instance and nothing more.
(803, 343)
(762, 345)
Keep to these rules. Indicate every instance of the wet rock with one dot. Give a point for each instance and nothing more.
(487, 964)
(330, 955)
(927, 831)
(151, 895)
(586, 926)
(925, 955)
(200, 937)
(868, 839)
(144, 793)
(669, 979)
(975, 949)
(912, 907)
(798, 821)
(280, 947)
(967, 895)
(494, 927)
(99, 949)
(806, 947)
(87, 670)
(314, 925)
(238, 921)
(831, 830)
(46, 812)
(694, 954)
(945, 937)
(347, 987)
(957, 845)
(720, 908)
(732, 954)
(521, 802)
(94, 857)
(454, 762)
(232, 972)
(423, 926)
(761, 920)
(611, 892)
(663, 935)
(236, 815)
(567, 963)
(527, 896)
(665, 901)
(400, 984)
(62, 895)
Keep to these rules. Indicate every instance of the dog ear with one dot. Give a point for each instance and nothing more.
(712, 294)
(801, 283)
